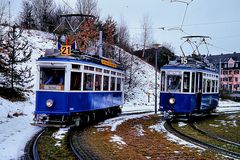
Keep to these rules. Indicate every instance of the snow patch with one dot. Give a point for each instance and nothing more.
(59, 135)
(118, 140)
(181, 124)
(139, 130)
(214, 125)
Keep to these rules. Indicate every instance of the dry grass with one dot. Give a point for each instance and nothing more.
(151, 145)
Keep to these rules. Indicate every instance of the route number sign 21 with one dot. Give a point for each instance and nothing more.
(65, 50)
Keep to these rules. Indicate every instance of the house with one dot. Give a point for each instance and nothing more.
(230, 70)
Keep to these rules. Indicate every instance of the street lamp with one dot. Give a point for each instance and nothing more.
(155, 46)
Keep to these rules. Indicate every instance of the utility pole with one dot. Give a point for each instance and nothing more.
(156, 49)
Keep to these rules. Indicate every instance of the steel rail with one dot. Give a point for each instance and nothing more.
(223, 151)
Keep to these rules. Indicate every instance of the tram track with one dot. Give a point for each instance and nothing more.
(78, 146)
(31, 149)
(168, 125)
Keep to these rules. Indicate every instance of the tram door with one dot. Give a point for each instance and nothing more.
(198, 90)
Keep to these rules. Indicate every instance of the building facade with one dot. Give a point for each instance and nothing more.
(230, 70)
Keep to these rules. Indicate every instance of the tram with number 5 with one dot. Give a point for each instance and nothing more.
(188, 86)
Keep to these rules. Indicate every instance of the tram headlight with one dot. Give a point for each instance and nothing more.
(49, 103)
(172, 101)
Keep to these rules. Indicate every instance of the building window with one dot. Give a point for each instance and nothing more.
(230, 79)
(225, 65)
(236, 72)
(230, 72)
(236, 64)
(236, 79)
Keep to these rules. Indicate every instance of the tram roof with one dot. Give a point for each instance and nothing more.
(96, 62)
(188, 68)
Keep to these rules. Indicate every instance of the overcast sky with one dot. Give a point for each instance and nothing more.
(219, 19)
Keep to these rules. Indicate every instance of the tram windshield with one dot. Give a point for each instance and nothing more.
(174, 83)
(52, 78)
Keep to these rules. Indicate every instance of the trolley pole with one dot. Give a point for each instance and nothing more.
(156, 48)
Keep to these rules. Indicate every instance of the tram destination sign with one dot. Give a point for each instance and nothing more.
(174, 73)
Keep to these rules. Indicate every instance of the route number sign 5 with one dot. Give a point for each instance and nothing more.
(65, 50)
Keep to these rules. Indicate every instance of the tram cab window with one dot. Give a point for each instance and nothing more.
(88, 81)
(174, 83)
(186, 81)
(163, 81)
(112, 83)
(76, 81)
(204, 85)
(193, 82)
(52, 79)
(98, 82)
(118, 84)
(208, 85)
(105, 83)
(213, 86)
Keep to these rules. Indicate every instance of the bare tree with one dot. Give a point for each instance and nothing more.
(3, 5)
(146, 33)
(88, 7)
(26, 16)
(123, 36)
(42, 11)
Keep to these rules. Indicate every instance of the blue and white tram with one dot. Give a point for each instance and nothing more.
(187, 89)
(84, 86)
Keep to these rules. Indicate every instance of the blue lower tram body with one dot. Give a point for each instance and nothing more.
(68, 103)
(188, 103)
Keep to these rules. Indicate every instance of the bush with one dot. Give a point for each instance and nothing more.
(12, 94)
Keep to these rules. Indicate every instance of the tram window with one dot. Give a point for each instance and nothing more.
(204, 85)
(75, 81)
(75, 66)
(98, 70)
(186, 81)
(106, 71)
(105, 83)
(88, 81)
(213, 85)
(89, 68)
(208, 85)
(52, 79)
(216, 88)
(98, 82)
(118, 84)
(193, 82)
(113, 83)
(163, 81)
(174, 83)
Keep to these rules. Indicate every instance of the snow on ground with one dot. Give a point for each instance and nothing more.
(114, 122)
(16, 131)
(159, 127)
(59, 135)
(118, 140)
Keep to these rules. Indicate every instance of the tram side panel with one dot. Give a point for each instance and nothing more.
(209, 101)
(89, 101)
